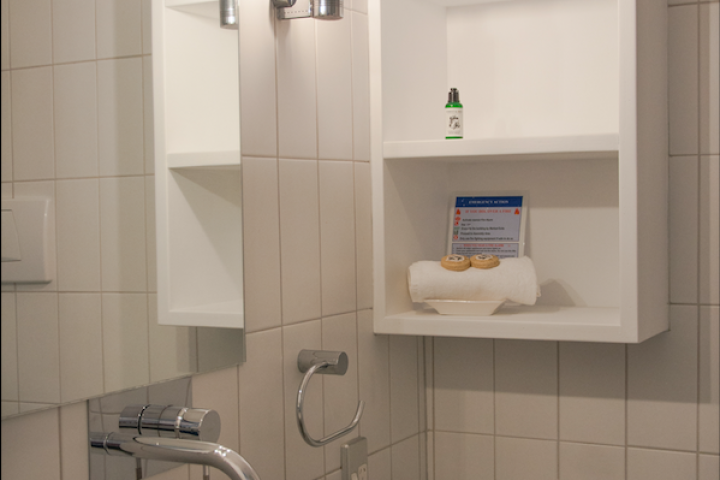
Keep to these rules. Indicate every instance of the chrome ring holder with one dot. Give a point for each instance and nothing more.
(325, 363)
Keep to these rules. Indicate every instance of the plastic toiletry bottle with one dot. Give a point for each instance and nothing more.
(453, 115)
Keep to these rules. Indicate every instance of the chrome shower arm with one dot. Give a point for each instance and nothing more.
(175, 450)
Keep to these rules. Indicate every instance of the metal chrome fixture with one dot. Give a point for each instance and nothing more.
(174, 450)
(229, 14)
(170, 421)
(320, 9)
(326, 363)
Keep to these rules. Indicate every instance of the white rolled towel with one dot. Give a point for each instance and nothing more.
(514, 279)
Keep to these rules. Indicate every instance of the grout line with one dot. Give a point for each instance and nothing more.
(557, 443)
(699, 242)
(627, 402)
(494, 434)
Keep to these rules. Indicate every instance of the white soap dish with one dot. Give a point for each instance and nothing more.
(465, 307)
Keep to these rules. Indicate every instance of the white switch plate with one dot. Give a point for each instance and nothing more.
(353, 456)
(31, 219)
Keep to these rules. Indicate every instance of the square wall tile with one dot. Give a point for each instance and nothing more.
(9, 350)
(374, 380)
(38, 347)
(708, 467)
(380, 465)
(34, 437)
(119, 28)
(219, 391)
(334, 85)
(710, 78)
(710, 230)
(340, 393)
(591, 462)
(262, 404)
(6, 159)
(363, 236)
(120, 116)
(257, 79)
(404, 388)
(526, 383)
(9, 408)
(462, 456)
(76, 135)
(709, 401)
(73, 30)
(122, 234)
(592, 392)
(660, 465)
(302, 461)
(173, 350)
(683, 225)
(81, 347)
(78, 235)
(337, 237)
(297, 112)
(30, 33)
(32, 124)
(683, 79)
(125, 340)
(74, 441)
(662, 385)
(464, 396)
(261, 243)
(406, 459)
(522, 459)
(300, 240)
(5, 33)
(361, 86)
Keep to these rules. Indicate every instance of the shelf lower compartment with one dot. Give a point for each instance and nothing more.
(594, 324)
(539, 148)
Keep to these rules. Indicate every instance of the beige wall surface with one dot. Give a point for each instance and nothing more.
(77, 125)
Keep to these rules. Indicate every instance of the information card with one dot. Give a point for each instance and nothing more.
(488, 224)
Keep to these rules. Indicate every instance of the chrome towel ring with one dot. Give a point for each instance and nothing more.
(326, 363)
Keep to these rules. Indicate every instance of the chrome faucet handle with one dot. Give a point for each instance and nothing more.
(327, 363)
(170, 421)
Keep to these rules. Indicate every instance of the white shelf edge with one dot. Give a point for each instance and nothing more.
(593, 324)
(585, 146)
(203, 159)
(185, 3)
(202, 8)
(221, 315)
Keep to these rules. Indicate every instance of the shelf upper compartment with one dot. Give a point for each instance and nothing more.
(581, 146)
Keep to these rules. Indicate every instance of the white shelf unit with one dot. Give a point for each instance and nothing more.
(197, 166)
(564, 101)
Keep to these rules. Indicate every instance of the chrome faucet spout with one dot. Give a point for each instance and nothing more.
(175, 450)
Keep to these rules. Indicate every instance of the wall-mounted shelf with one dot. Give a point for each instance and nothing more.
(564, 101)
(197, 166)
(586, 146)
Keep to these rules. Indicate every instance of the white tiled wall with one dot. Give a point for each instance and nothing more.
(494, 409)
(85, 83)
(513, 410)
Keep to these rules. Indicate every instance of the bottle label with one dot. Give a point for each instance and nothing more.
(454, 122)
